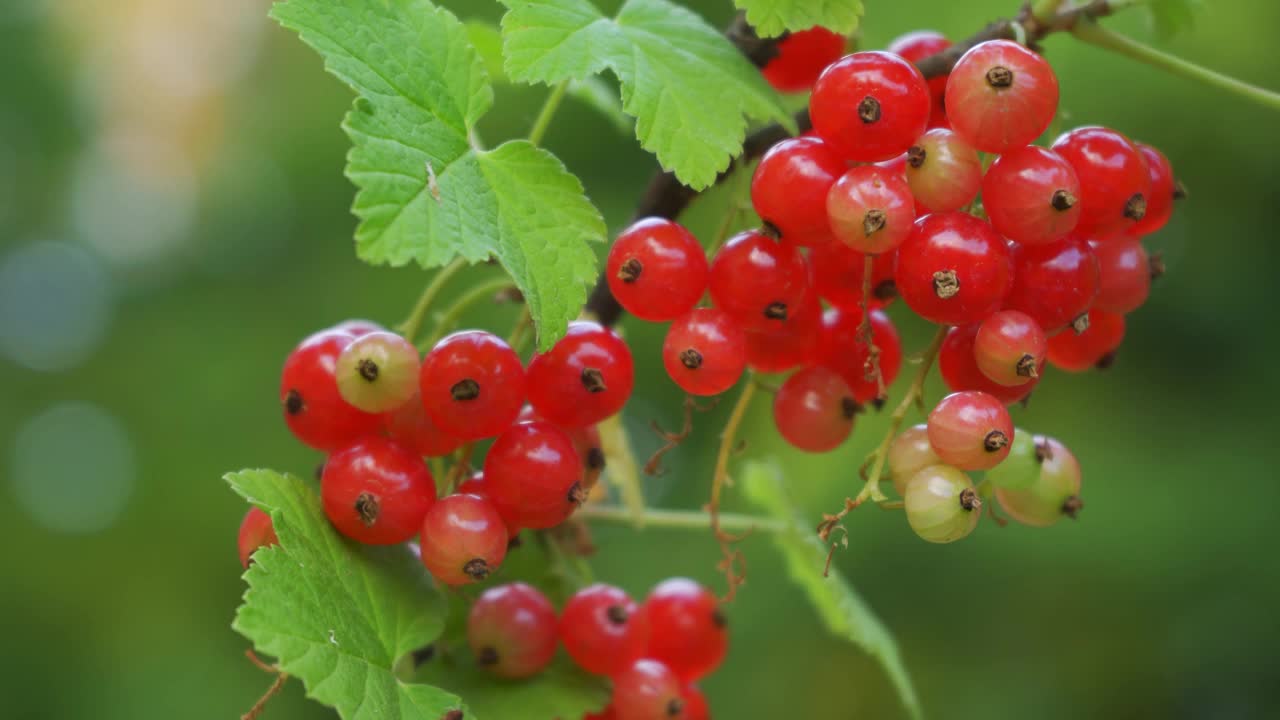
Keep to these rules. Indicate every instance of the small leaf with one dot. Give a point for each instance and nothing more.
(771, 18)
(1170, 17)
(842, 610)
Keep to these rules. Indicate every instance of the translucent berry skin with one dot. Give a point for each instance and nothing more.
(758, 280)
(256, 531)
(1053, 494)
(656, 270)
(1162, 193)
(1021, 468)
(916, 46)
(472, 384)
(953, 269)
(376, 491)
(943, 171)
(909, 453)
(585, 378)
(378, 372)
(1032, 196)
(1053, 283)
(870, 106)
(970, 430)
(1096, 346)
(838, 272)
(871, 209)
(687, 629)
(1114, 181)
(801, 58)
(313, 408)
(512, 631)
(534, 475)
(357, 327)
(941, 504)
(412, 427)
(586, 441)
(1124, 275)
(695, 704)
(603, 630)
(814, 410)
(1001, 96)
(841, 348)
(959, 367)
(789, 345)
(704, 351)
(1010, 348)
(647, 690)
(464, 539)
(790, 185)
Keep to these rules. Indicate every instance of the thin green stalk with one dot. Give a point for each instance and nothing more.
(479, 293)
(413, 324)
(547, 112)
(683, 519)
(1045, 10)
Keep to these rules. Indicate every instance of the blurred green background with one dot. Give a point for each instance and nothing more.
(173, 218)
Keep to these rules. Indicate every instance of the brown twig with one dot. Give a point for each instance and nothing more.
(731, 558)
(872, 365)
(276, 685)
(672, 440)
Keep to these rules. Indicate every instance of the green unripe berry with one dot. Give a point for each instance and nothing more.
(1054, 493)
(941, 504)
(378, 372)
(1020, 469)
(910, 453)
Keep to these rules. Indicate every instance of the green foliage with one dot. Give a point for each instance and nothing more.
(843, 611)
(560, 691)
(425, 193)
(689, 89)
(1170, 17)
(773, 17)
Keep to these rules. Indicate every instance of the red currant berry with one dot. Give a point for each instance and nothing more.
(603, 630)
(695, 704)
(256, 531)
(838, 272)
(1010, 348)
(705, 351)
(970, 430)
(412, 427)
(954, 269)
(801, 58)
(789, 345)
(356, 327)
(378, 372)
(586, 441)
(1164, 190)
(814, 409)
(941, 503)
(916, 46)
(377, 492)
(1095, 346)
(474, 485)
(1031, 196)
(1001, 96)
(656, 270)
(943, 171)
(1124, 275)
(1054, 492)
(789, 188)
(757, 280)
(842, 348)
(1053, 283)
(313, 408)
(512, 630)
(871, 209)
(584, 379)
(1020, 469)
(648, 690)
(687, 629)
(870, 106)
(534, 475)
(1114, 181)
(472, 384)
(959, 366)
(463, 539)
(909, 453)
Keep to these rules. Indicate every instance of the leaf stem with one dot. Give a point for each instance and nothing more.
(413, 324)
(682, 519)
(479, 293)
(548, 111)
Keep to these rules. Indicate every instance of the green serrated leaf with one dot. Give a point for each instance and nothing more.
(560, 691)
(843, 611)
(425, 194)
(771, 18)
(689, 89)
(1170, 17)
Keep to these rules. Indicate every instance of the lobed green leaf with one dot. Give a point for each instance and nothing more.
(771, 18)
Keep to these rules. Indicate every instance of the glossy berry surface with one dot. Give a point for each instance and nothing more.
(842, 348)
(656, 270)
(870, 106)
(790, 343)
(943, 171)
(1053, 283)
(464, 539)
(411, 426)
(695, 704)
(377, 492)
(1163, 191)
(534, 475)
(256, 531)
(378, 372)
(1096, 346)
(1114, 181)
(941, 504)
(758, 280)
(970, 430)
(586, 377)
(801, 58)
(472, 384)
(953, 269)
(909, 453)
(602, 629)
(512, 630)
(1001, 96)
(959, 367)
(648, 690)
(790, 185)
(871, 209)
(838, 272)
(687, 629)
(814, 409)
(1010, 348)
(1021, 467)
(1053, 494)
(1124, 275)
(313, 407)
(916, 46)
(357, 327)
(1032, 196)
(704, 351)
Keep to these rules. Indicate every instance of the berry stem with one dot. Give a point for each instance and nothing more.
(683, 519)
(872, 368)
(479, 293)
(1045, 10)
(548, 111)
(413, 324)
(728, 438)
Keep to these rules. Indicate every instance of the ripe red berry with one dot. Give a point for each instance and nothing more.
(1001, 96)
(789, 345)
(412, 427)
(959, 367)
(1031, 196)
(378, 372)
(586, 377)
(916, 46)
(313, 408)
(1010, 348)
(1095, 347)
(842, 348)
(954, 269)
(758, 280)
(1053, 283)
(534, 475)
(472, 384)
(687, 629)
(357, 327)
(256, 531)
(648, 690)
(695, 704)
(1114, 181)
(376, 491)
(944, 173)
(464, 539)
(871, 209)
(789, 188)
(814, 409)
(704, 351)
(870, 106)
(512, 630)
(1164, 190)
(838, 271)
(1124, 275)
(801, 58)
(603, 630)
(656, 270)
(970, 430)
(586, 442)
